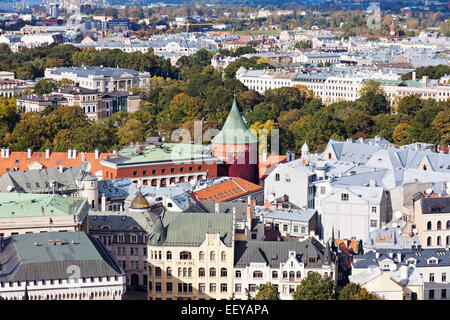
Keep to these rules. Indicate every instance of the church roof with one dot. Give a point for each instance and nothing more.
(139, 202)
(234, 131)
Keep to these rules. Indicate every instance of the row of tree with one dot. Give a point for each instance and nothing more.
(317, 287)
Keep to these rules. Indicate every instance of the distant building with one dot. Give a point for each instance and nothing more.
(125, 235)
(283, 264)
(404, 274)
(22, 213)
(101, 78)
(58, 266)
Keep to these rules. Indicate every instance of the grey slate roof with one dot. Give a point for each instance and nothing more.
(21, 260)
(38, 181)
(275, 252)
(122, 221)
(421, 256)
(435, 205)
(86, 71)
(225, 207)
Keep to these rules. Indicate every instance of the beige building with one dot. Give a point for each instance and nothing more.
(22, 213)
(190, 256)
(431, 218)
(402, 284)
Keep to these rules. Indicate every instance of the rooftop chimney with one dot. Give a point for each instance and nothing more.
(74, 153)
(60, 168)
(3, 152)
(29, 152)
(216, 207)
(425, 79)
(96, 154)
(7, 152)
(47, 153)
(414, 76)
(69, 153)
(264, 157)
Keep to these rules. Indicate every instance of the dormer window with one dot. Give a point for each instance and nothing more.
(432, 261)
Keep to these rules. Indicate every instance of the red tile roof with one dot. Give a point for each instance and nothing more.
(21, 161)
(226, 191)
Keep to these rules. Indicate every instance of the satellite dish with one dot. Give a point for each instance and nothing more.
(86, 166)
(270, 198)
(429, 191)
(399, 231)
(415, 230)
(398, 215)
(9, 188)
(394, 225)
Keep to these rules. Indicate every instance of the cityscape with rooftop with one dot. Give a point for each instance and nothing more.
(225, 151)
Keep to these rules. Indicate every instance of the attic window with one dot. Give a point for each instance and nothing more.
(432, 261)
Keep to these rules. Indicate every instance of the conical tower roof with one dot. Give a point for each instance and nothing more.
(139, 202)
(158, 235)
(234, 131)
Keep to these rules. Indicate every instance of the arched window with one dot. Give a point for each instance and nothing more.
(325, 274)
(185, 255)
(329, 155)
(429, 242)
(285, 274)
(169, 272)
(429, 225)
(438, 240)
(169, 255)
(439, 225)
(212, 256)
(212, 272)
(223, 256)
(299, 274)
(223, 272)
(158, 272)
(447, 241)
(448, 224)
(257, 274)
(291, 275)
(201, 273)
(180, 270)
(201, 256)
(425, 167)
(184, 272)
(238, 274)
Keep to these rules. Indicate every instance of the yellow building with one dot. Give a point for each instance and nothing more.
(190, 256)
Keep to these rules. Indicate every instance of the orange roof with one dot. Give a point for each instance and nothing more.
(226, 191)
(351, 244)
(21, 161)
(265, 168)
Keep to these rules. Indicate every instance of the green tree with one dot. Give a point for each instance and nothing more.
(353, 291)
(315, 287)
(267, 291)
(373, 98)
(45, 86)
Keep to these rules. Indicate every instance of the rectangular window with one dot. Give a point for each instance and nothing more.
(431, 294)
(444, 277)
(295, 229)
(201, 287)
(431, 277)
(238, 287)
(344, 196)
(277, 177)
(212, 287)
(444, 294)
(322, 190)
(285, 227)
(374, 209)
(169, 287)
(373, 223)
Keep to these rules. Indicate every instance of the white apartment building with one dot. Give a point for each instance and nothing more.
(58, 266)
(101, 78)
(283, 264)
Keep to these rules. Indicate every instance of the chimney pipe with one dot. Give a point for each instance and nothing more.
(96, 154)
(103, 202)
(3, 152)
(69, 153)
(29, 152)
(47, 153)
(7, 152)
(414, 76)
(74, 153)
(216, 207)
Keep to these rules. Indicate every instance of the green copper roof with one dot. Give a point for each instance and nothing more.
(32, 205)
(167, 152)
(190, 229)
(234, 131)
